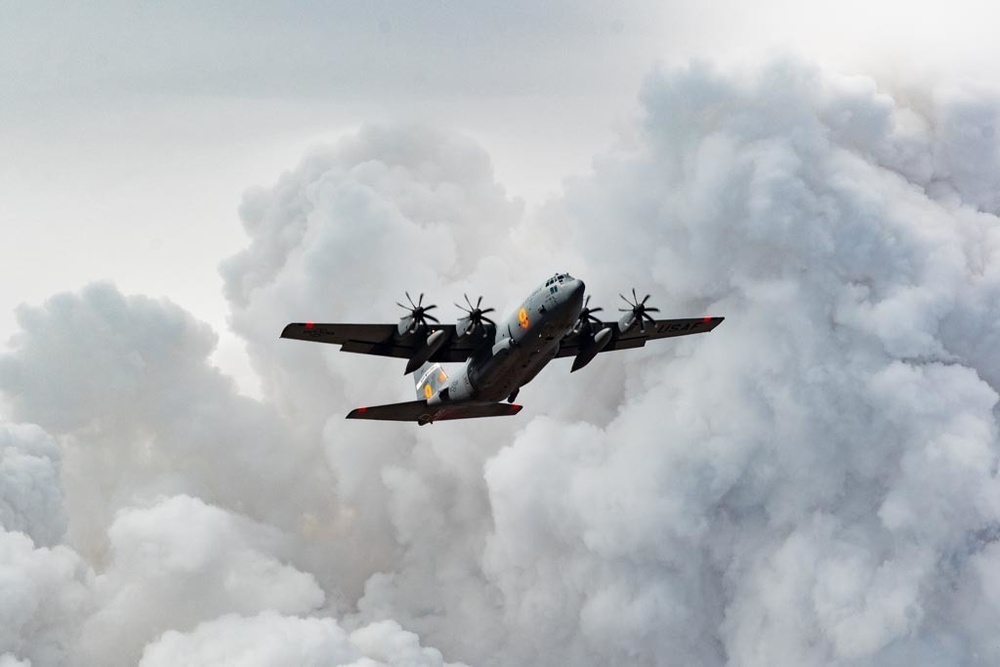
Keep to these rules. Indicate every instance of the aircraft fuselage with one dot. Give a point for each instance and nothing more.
(523, 344)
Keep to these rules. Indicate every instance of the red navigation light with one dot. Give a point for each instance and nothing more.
(310, 325)
(362, 410)
(707, 319)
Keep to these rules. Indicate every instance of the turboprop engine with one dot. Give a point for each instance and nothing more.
(636, 313)
(474, 320)
(415, 323)
(587, 354)
(416, 317)
(434, 342)
(585, 326)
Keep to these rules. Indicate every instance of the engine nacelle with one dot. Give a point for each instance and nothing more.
(433, 344)
(627, 321)
(587, 354)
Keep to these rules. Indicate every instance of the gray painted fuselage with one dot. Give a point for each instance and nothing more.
(522, 345)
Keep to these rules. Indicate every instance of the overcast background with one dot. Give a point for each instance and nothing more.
(131, 131)
(814, 483)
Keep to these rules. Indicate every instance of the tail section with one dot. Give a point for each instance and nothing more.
(420, 412)
(431, 379)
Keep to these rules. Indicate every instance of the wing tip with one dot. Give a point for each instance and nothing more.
(296, 330)
(357, 413)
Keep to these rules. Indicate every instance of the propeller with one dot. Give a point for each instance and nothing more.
(417, 316)
(640, 311)
(474, 317)
(586, 317)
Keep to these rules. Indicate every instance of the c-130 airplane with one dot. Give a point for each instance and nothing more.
(554, 321)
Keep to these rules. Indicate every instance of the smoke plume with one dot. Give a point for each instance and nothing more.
(813, 483)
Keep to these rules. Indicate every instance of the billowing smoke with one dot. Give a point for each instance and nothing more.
(813, 483)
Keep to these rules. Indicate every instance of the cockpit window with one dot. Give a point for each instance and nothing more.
(559, 277)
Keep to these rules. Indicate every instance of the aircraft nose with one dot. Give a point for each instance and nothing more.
(578, 289)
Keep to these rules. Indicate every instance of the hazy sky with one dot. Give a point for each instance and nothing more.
(131, 131)
(813, 483)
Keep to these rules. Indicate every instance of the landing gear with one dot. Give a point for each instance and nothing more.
(512, 397)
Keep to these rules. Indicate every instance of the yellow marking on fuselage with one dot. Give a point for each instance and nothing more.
(428, 392)
(522, 319)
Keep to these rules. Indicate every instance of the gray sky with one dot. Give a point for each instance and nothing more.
(131, 131)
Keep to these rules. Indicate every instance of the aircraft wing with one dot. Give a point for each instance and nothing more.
(635, 337)
(381, 339)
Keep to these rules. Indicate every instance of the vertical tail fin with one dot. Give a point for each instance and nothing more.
(431, 378)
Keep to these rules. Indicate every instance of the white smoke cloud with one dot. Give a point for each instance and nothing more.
(45, 593)
(271, 639)
(125, 381)
(182, 562)
(31, 499)
(813, 483)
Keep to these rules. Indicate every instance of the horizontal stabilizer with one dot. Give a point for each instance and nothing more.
(420, 412)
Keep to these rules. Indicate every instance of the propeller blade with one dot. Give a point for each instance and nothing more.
(432, 319)
(431, 307)
(408, 298)
(639, 309)
(595, 310)
(475, 315)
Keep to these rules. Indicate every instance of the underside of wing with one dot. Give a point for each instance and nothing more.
(635, 336)
(382, 339)
(670, 328)
(420, 412)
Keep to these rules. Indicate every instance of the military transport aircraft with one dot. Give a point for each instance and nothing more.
(554, 321)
